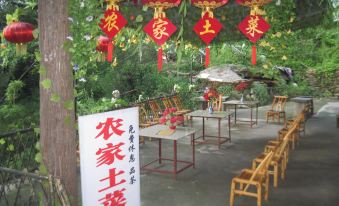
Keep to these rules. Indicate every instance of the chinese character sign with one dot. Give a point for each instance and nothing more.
(160, 29)
(207, 28)
(109, 155)
(112, 23)
(254, 27)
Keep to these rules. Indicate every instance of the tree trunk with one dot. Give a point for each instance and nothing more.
(57, 119)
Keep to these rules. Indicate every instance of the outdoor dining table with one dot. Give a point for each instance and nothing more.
(219, 115)
(250, 104)
(180, 132)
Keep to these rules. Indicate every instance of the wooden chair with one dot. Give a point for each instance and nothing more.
(167, 102)
(279, 160)
(216, 104)
(178, 104)
(278, 109)
(156, 110)
(144, 120)
(258, 178)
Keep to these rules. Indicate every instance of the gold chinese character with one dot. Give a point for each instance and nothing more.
(253, 26)
(159, 28)
(111, 22)
(207, 27)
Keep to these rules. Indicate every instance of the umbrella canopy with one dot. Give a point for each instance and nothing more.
(222, 74)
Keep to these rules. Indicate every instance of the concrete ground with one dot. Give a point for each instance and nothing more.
(312, 176)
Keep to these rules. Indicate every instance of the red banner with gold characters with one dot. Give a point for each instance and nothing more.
(160, 29)
(112, 23)
(207, 28)
(254, 27)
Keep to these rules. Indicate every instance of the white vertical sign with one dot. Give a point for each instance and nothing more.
(109, 158)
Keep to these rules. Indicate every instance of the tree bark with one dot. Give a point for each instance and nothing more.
(57, 122)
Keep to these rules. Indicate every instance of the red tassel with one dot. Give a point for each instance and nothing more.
(160, 59)
(207, 57)
(254, 55)
(110, 52)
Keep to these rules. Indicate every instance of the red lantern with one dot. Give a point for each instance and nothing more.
(111, 24)
(160, 28)
(19, 33)
(254, 26)
(102, 47)
(208, 27)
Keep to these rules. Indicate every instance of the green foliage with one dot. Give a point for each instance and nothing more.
(260, 92)
(225, 90)
(13, 90)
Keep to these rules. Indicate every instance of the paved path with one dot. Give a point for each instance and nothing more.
(312, 177)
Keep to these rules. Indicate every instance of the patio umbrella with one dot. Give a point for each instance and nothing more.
(220, 74)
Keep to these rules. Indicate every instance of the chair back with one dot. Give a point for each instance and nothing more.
(167, 102)
(177, 103)
(216, 104)
(155, 108)
(143, 117)
(278, 103)
(262, 168)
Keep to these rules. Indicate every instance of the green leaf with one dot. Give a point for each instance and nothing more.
(37, 56)
(67, 120)
(46, 84)
(55, 98)
(37, 131)
(139, 18)
(42, 70)
(144, 8)
(35, 33)
(38, 146)
(69, 104)
(2, 141)
(43, 169)
(10, 148)
(38, 157)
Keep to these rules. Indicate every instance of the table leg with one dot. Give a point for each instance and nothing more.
(219, 133)
(235, 114)
(203, 128)
(229, 127)
(193, 151)
(251, 116)
(256, 114)
(159, 151)
(175, 159)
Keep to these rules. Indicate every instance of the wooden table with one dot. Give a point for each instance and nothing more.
(180, 132)
(250, 104)
(219, 115)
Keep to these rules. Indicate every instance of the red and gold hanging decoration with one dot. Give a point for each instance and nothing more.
(208, 27)
(102, 47)
(19, 33)
(160, 28)
(254, 26)
(111, 24)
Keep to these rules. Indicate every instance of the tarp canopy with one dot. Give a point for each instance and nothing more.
(222, 74)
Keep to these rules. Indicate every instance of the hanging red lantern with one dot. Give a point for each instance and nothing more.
(111, 24)
(102, 47)
(208, 27)
(160, 28)
(254, 26)
(19, 33)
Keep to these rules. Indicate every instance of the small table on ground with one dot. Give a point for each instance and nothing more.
(179, 133)
(203, 102)
(250, 104)
(302, 102)
(219, 115)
